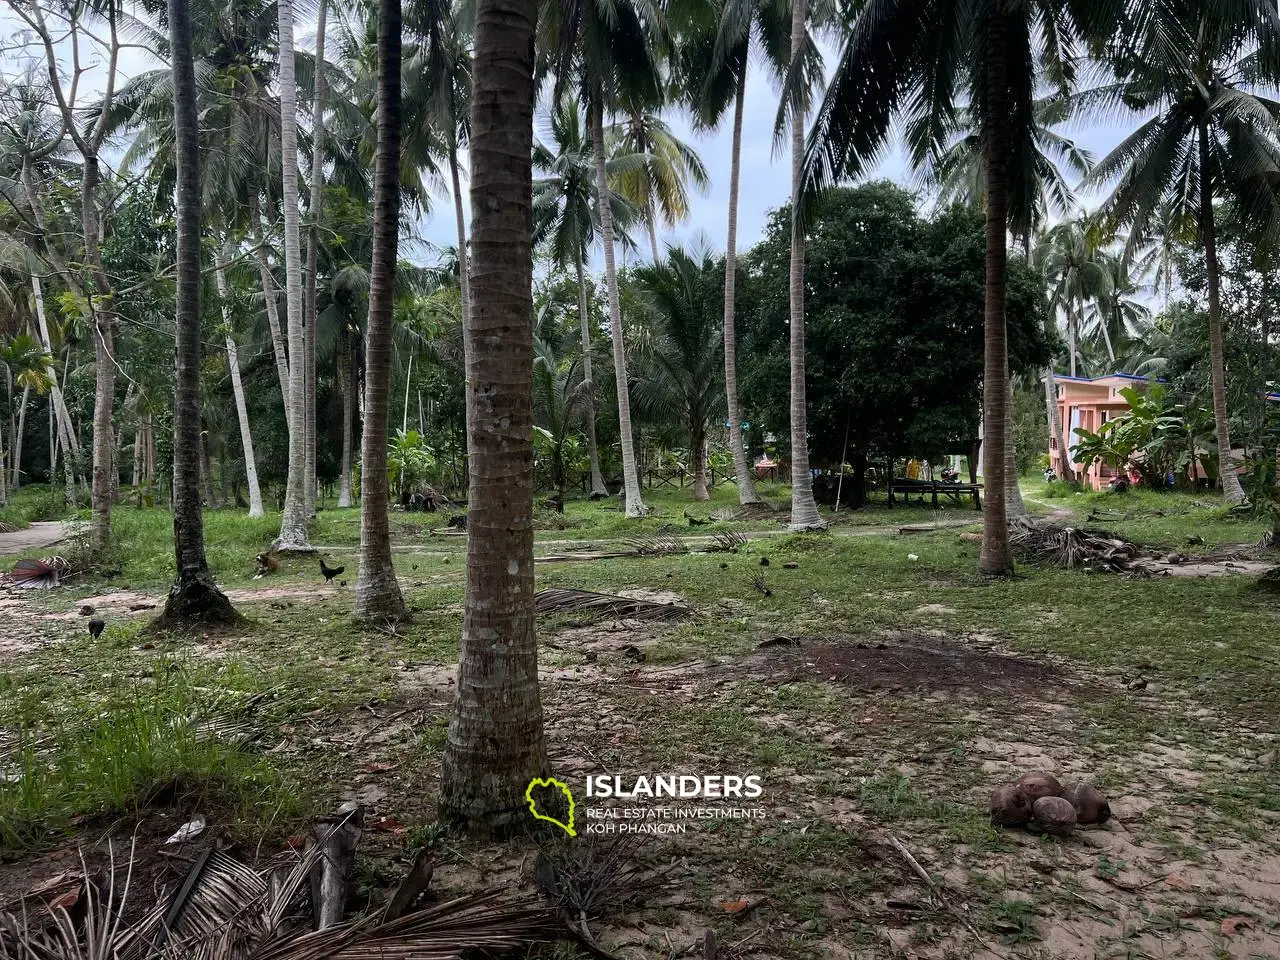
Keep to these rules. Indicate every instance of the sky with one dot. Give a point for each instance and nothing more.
(765, 178)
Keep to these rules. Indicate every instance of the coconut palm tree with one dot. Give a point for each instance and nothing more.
(1202, 75)
(804, 509)
(910, 62)
(717, 43)
(194, 597)
(659, 187)
(495, 744)
(378, 594)
(682, 366)
(293, 520)
(315, 208)
(1070, 257)
(225, 257)
(607, 52)
(27, 366)
(565, 223)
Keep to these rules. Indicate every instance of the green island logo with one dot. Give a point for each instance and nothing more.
(533, 804)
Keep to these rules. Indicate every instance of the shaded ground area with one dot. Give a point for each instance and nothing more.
(915, 689)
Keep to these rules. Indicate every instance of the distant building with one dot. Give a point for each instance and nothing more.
(1089, 402)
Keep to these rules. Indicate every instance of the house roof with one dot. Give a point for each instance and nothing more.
(1106, 379)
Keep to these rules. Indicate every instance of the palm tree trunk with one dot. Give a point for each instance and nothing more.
(1072, 325)
(237, 387)
(139, 448)
(496, 745)
(349, 387)
(741, 465)
(293, 520)
(270, 303)
(1232, 492)
(378, 594)
(316, 206)
(206, 472)
(698, 451)
(464, 274)
(996, 559)
(1014, 507)
(598, 487)
(1055, 424)
(651, 225)
(804, 509)
(62, 418)
(104, 361)
(1106, 338)
(630, 476)
(16, 446)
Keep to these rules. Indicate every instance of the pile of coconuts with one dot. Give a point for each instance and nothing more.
(1039, 802)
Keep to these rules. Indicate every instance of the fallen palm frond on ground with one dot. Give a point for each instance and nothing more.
(1071, 547)
(657, 545)
(227, 910)
(730, 542)
(750, 511)
(556, 600)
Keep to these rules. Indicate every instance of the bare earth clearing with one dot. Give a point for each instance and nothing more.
(879, 699)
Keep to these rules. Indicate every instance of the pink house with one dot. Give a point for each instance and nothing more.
(1089, 403)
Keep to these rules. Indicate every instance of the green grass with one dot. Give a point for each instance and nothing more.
(36, 502)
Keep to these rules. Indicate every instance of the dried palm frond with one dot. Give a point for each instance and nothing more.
(588, 879)
(556, 600)
(730, 542)
(1069, 547)
(750, 511)
(226, 910)
(657, 545)
(8, 527)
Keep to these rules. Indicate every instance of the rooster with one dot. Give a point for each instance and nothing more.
(330, 572)
(43, 574)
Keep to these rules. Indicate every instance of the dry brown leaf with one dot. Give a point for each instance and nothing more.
(67, 900)
(734, 906)
(1179, 882)
(1233, 925)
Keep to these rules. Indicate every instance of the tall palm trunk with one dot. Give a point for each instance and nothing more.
(1056, 433)
(741, 465)
(995, 559)
(378, 594)
(194, 596)
(104, 361)
(495, 744)
(349, 387)
(630, 476)
(598, 487)
(62, 418)
(464, 273)
(804, 509)
(237, 386)
(651, 225)
(1014, 507)
(270, 303)
(1073, 323)
(698, 452)
(316, 206)
(16, 446)
(1231, 489)
(293, 521)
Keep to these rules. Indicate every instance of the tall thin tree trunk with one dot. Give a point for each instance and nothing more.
(464, 273)
(630, 476)
(293, 520)
(495, 744)
(348, 414)
(1073, 323)
(269, 296)
(742, 472)
(206, 471)
(139, 450)
(1014, 507)
(194, 596)
(598, 487)
(651, 225)
(698, 451)
(1056, 432)
(378, 594)
(17, 440)
(104, 364)
(313, 240)
(237, 387)
(62, 418)
(804, 509)
(1232, 492)
(995, 559)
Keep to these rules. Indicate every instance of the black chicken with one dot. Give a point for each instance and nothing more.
(96, 627)
(330, 572)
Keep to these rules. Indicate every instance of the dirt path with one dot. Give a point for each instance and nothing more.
(42, 533)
